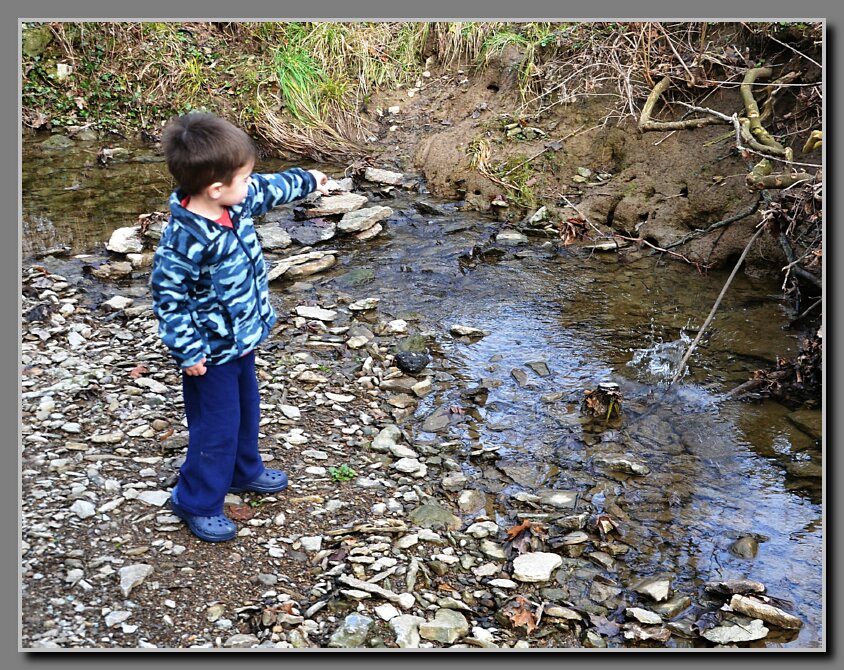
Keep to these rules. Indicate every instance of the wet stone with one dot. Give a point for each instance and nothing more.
(745, 547)
(412, 363)
(656, 588)
(673, 607)
(736, 629)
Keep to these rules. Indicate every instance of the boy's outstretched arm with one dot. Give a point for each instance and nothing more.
(270, 190)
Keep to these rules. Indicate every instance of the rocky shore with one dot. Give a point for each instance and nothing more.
(381, 540)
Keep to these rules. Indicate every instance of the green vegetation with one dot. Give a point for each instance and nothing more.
(302, 87)
(343, 473)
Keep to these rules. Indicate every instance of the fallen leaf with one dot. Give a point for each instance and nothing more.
(168, 433)
(521, 615)
(515, 531)
(603, 625)
(240, 512)
(138, 371)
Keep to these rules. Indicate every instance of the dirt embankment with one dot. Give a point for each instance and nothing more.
(656, 187)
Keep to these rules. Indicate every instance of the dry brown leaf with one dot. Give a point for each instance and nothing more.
(521, 615)
(169, 432)
(138, 371)
(240, 512)
(515, 531)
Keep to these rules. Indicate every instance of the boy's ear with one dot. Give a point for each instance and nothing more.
(214, 190)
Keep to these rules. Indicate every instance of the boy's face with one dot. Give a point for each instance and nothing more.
(235, 191)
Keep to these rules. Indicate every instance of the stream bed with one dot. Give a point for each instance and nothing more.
(559, 320)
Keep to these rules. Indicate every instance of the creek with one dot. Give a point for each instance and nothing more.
(719, 470)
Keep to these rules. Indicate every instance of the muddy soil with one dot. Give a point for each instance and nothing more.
(658, 186)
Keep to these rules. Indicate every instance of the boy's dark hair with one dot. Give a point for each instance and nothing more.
(201, 149)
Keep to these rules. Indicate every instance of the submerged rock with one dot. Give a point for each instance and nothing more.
(736, 629)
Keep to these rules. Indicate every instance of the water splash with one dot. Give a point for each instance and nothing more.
(660, 361)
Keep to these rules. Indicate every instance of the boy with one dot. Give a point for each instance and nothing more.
(210, 295)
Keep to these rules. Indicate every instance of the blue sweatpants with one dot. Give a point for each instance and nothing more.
(222, 408)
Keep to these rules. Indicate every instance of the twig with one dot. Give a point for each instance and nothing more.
(584, 217)
(692, 79)
(659, 249)
(658, 142)
(771, 37)
(807, 310)
(714, 307)
(719, 224)
(734, 120)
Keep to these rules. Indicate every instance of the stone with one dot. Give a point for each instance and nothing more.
(155, 498)
(284, 265)
(406, 628)
(241, 641)
(117, 617)
(318, 313)
(113, 271)
(557, 498)
(369, 233)
(352, 632)
(622, 465)
(411, 363)
(736, 630)
(670, 609)
(511, 238)
(313, 232)
(656, 588)
(643, 615)
(745, 547)
(433, 515)
(435, 423)
(540, 368)
(273, 237)
(471, 501)
(768, 613)
(447, 626)
(536, 566)
(364, 304)
(362, 219)
(57, 142)
(126, 240)
(387, 611)
(117, 303)
(132, 575)
(810, 421)
(384, 176)
(467, 331)
(311, 267)
(336, 204)
(386, 438)
(152, 385)
(83, 509)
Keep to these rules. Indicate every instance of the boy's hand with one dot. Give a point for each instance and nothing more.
(196, 370)
(321, 181)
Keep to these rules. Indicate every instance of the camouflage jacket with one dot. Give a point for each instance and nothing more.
(209, 282)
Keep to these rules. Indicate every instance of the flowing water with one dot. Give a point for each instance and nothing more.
(719, 470)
